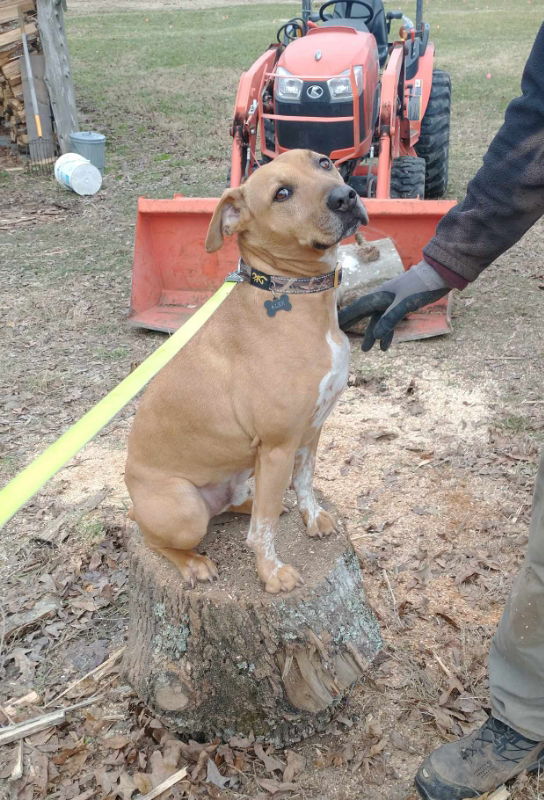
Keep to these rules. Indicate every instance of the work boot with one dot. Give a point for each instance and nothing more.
(478, 763)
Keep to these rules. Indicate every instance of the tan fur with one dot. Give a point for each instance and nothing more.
(239, 399)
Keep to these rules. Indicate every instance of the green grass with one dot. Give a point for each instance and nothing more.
(176, 75)
(167, 113)
(113, 354)
(91, 529)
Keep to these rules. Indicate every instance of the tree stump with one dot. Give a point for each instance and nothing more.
(229, 659)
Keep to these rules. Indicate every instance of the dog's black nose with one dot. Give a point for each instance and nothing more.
(342, 198)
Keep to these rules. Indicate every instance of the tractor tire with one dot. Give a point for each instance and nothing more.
(408, 177)
(362, 185)
(434, 140)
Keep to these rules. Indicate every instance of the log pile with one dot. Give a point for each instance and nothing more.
(12, 107)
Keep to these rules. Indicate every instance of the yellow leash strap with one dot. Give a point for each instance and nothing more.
(25, 485)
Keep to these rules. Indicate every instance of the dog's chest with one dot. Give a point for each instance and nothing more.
(334, 381)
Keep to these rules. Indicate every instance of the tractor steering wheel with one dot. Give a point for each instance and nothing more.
(349, 5)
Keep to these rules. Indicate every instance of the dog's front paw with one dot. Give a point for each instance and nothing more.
(322, 525)
(197, 568)
(284, 578)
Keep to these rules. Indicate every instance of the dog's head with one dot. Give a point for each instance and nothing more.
(294, 208)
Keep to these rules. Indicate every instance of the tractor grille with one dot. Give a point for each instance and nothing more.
(323, 137)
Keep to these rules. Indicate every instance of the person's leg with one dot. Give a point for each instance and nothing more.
(516, 659)
(512, 739)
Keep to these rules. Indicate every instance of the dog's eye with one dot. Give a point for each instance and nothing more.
(283, 193)
(325, 163)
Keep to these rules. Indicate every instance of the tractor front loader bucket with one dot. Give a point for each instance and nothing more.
(173, 274)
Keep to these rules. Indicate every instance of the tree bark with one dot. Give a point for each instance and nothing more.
(229, 659)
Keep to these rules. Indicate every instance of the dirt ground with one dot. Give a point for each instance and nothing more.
(430, 458)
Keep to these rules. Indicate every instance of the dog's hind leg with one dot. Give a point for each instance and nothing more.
(318, 521)
(242, 500)
(173, 518)
(242, 508)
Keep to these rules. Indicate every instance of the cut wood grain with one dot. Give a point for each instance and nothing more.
(10, 11)
(12, 69)
(14, 35)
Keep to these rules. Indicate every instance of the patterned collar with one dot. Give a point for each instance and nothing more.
(282, 284)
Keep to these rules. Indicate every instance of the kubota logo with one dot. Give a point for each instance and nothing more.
(315, 92)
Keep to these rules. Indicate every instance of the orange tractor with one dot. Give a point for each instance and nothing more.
(335, 84)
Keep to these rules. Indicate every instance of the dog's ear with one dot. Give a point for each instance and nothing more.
(230, 216)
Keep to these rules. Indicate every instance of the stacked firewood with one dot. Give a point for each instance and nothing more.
(12, 109)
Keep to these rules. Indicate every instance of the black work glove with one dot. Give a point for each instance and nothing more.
(391, 301)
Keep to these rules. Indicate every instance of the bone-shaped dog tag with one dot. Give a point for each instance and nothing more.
(280, 303)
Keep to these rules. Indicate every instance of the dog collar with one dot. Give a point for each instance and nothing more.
(282, 284)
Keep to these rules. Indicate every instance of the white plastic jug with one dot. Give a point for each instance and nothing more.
(77, 173)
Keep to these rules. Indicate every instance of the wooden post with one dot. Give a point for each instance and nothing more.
(228, 658)
(58, 76)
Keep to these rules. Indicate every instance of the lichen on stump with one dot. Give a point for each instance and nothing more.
(227, 658)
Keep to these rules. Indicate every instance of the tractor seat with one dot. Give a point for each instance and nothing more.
(342, 22)
(377, 25)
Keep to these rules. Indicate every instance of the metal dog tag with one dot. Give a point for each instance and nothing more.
(280, 303)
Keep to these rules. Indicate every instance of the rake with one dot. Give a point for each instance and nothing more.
(41, 149)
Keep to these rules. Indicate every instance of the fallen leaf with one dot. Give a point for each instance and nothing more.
(67, 753)
(225, 752)
(142, 782)
(295, 765)
(84, 603)
(443, 719)
(449, 619)
(467, 704)
(214, 776)
(468, 575)
(116, 742)
(240, 742)
(378, 747)
(45, 606)
(73, 765)
(271, 764)
(454, 685)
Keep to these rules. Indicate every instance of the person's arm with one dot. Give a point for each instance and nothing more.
(506, 196)
(503, 200)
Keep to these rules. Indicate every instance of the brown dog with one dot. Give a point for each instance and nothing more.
(249, 393)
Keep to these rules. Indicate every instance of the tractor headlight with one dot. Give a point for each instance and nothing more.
(340, 87)
(288, 88)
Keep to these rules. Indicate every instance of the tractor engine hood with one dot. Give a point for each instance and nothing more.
(326, 52)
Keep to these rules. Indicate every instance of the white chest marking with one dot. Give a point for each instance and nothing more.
(333, 383)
